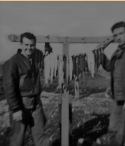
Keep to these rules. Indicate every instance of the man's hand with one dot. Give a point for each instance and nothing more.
(17, 116)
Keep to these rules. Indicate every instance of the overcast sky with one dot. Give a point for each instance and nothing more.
(57, 19)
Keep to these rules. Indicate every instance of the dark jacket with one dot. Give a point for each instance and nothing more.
(20, 79)
(109, 65)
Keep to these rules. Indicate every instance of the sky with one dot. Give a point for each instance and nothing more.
(76, 19)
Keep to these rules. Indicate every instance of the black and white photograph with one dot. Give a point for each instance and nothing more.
(62, 73)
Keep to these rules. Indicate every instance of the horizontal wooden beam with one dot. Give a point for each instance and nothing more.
(89, 39)
(57, 39)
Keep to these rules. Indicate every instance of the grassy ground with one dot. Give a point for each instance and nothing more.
(88, 85)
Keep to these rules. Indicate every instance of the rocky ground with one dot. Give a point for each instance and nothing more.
(92, 102)
(82, 110)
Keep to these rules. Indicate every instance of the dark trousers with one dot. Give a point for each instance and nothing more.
(117, 123)
(36, 120)
(115, 116)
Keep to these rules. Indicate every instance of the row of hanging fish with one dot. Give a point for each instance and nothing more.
(54, 66)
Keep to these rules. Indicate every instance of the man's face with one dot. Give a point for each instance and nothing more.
(28, 46)
(119, 35)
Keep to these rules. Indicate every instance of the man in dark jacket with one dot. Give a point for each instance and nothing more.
(21, 78)
(116, 65)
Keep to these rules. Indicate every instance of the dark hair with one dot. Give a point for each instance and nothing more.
(27, 35)
(118, 25)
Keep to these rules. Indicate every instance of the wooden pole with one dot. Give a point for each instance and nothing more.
(65, 101)
(65, 119)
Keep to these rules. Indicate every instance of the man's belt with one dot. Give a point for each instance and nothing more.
(29, 102)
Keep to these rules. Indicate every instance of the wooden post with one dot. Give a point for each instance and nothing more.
(60, 71)
(65, 102)
(65, 119)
